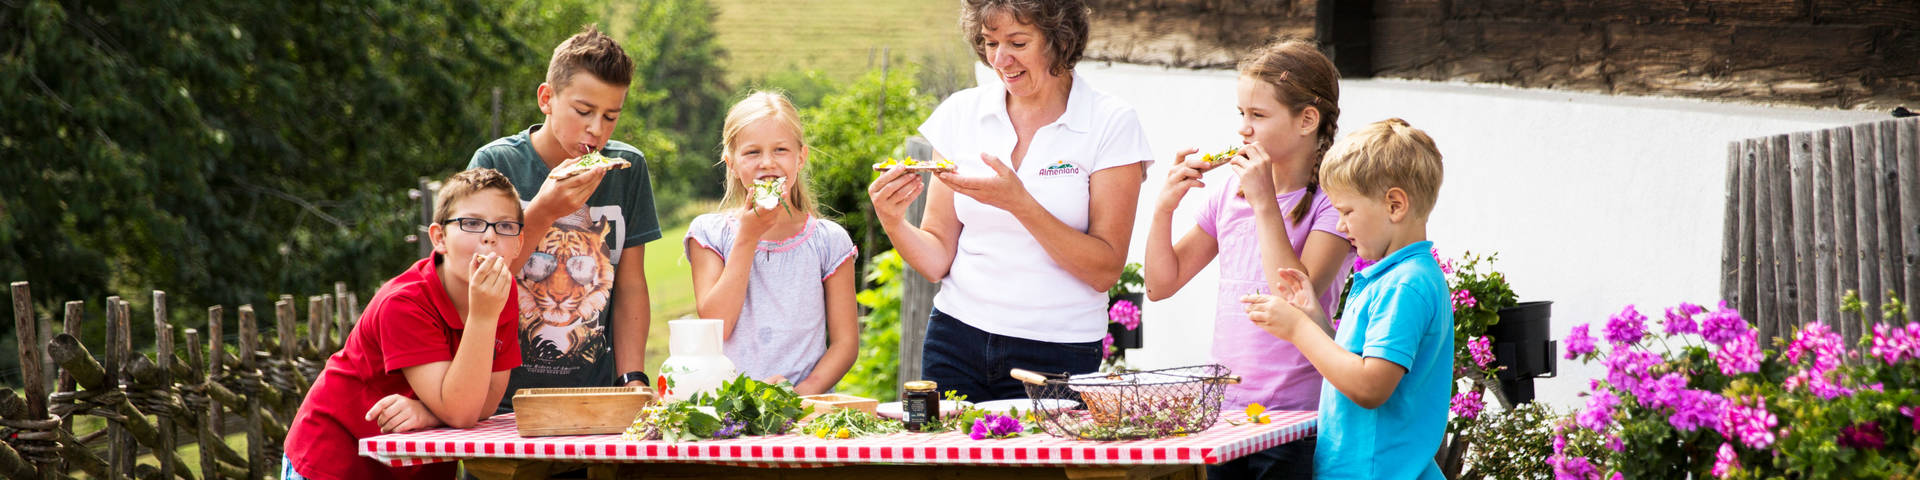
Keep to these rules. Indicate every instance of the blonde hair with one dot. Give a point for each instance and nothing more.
(469, 183)
(757, 106)
(1301, 77)
(1386, 154)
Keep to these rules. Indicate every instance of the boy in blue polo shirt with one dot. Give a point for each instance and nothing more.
(1383, 408)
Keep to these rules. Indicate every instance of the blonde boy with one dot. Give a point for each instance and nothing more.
(583, 302)
(1383, 409)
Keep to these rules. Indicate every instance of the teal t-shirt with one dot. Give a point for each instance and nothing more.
(1399, 311)
(566, 289)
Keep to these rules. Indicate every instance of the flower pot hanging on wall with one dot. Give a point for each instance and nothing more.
(1523, 345)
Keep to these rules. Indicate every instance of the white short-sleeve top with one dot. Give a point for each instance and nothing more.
(1001, 281)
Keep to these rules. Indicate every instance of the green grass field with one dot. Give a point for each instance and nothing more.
(841, 38)
(670, 289)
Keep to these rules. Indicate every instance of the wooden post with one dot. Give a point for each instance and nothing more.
(1765, 310)
(1749, 301)
(346, 312)
(283, 319)
(1846, 257)
(32, 362)
(1805, 283)
(1908, 166)
(350, 319)
(1729, 229)
(1866, 170)
(256, 438)
(916, 293)
(319, 317)
(117, 454)
(214, 431)
(1893, 278)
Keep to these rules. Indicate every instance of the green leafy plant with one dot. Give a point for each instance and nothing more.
(849, 423)
(674, 422)
(1509, 444)
(1130, 281)
(765, 409)
(876, 373)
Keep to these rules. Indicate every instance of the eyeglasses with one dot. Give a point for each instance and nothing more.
(506, 228)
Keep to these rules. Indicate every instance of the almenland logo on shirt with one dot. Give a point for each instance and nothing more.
(1060, 168)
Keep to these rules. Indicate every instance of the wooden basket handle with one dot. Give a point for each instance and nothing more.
(1029, 376)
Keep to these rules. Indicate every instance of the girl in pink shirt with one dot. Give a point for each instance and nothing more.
(1288, 98)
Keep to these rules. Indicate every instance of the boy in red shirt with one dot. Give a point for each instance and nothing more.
(434, 347)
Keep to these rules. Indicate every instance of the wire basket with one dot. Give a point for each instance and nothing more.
(1127, 406)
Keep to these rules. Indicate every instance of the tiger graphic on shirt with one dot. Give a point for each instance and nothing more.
(565, 287)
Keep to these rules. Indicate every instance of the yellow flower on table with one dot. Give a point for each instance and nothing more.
(1257, 413)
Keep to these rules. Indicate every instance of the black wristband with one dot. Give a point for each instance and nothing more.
(629, 377)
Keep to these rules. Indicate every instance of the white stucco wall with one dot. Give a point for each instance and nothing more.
(1592, 201)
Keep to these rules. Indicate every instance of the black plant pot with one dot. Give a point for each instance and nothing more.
(1523, 344)
(1123, 338)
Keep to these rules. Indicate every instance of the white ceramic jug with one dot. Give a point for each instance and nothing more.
(695, 361)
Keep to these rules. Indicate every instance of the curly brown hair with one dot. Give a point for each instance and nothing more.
(1062, 22)
(592, 52)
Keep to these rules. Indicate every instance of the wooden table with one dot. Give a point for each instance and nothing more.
(494, 450)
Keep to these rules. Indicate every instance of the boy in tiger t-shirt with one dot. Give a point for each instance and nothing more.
(583, 290)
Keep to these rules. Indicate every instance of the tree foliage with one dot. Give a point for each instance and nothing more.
(230, 151)
(850, 132)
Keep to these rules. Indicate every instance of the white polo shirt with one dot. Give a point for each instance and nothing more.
(1001, 280)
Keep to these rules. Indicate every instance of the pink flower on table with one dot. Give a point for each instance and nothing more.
(1464, 299)
(1725, 461)
(1695, 409)
(1482, 351)
(994, 425)
(1579, 342)
(1467, 405)
(1826, 347)
(1739, 355)
(1626, 327)
(1892, 343)
(1125, 313)
(1751, 424)
(1599, 413)
(1722, 325)
(1680, 319)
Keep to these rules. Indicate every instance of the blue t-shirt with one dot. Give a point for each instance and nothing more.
(1399, 311)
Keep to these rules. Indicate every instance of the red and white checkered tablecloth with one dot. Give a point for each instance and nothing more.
(497, 438)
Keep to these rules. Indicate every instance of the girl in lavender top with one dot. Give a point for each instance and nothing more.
(1269, 214)
(776, 273)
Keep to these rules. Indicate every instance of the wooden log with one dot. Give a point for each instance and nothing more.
(91, 375)
(1781, 150)
(163, 358)
(119, 461)
(256, 437)
(1766, 310)
(1827, 303)
(1893, 277)
(1846, 257)
(1730, 230)
(1800, 154)
(1866, 173)
(76, 310)
(1749, 296)
(1907, 159)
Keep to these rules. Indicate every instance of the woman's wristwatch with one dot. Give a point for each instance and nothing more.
(629, 377)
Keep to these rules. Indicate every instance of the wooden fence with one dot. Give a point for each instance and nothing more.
(1811, 216)
(192, 399)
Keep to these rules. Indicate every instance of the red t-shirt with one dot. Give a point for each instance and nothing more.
(411, 321)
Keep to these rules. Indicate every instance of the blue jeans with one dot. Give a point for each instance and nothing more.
(286, 470)
(975, 363)
(1292, 460)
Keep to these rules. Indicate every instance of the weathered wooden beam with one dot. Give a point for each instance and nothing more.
(1749, 296)
(1800, 160)
(163, 358)
(1907, 159)
(1893, 277)
(1730, 229)
(32, 362)
(1765, 310)
(1866, 172)
(1846, 258)
(212, 432)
